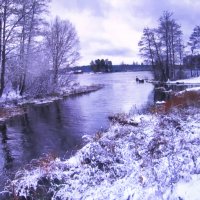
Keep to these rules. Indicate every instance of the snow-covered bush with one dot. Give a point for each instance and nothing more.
(153, 160)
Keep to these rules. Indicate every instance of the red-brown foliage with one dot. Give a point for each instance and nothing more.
(177, 101)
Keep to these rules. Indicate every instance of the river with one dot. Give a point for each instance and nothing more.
(57, 128)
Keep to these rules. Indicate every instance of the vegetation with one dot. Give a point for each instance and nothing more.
(31, 50)
(144, 160)
(101, 65)
(180, 101)
(194, 41)
(62, 44)
(162, 47)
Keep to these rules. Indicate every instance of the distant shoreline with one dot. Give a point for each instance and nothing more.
(115, 68)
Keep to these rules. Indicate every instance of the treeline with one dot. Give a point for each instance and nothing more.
(164, 49)
(31, 49)
(101, 65)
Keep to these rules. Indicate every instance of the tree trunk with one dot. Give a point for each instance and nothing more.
(22, 85)
(55, 78)
(27, 51)
(3, 64)
(3, 53)
(0, 38)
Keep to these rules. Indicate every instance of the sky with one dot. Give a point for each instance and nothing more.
(111, 29)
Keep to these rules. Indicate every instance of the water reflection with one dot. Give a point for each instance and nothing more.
(8, 163)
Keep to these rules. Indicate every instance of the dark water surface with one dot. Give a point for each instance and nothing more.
(57, 128)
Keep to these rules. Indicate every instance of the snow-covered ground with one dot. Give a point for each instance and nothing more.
(195, 80)
(195, 89)
(157, 157)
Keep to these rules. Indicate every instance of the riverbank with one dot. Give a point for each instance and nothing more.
(155, 155)
(189, 81)
(195, 80)
(15, 105)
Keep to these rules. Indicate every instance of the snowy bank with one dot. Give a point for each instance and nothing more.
(194, 89)
(195, 80)
(157, 159)
(12, 104)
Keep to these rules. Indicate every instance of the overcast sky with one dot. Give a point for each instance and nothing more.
(112, 28)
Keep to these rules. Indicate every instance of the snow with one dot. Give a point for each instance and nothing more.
(193, 89)
(189, 190)
(74, 88)
(12, 102)
(10, 96)
(158, 159)
(195, 80)
(160, 102)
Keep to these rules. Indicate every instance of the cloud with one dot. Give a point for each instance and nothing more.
(112, 28)
(96, 7)
(114, 52)
(186, 12)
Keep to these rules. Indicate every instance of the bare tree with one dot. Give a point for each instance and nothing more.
(5, 33)
(30, 29)
(20, 22)
(194, 41)
(62, 45)
(146, 46)
(171, 36)
(163, 47)
(150, 48)
(9, 21)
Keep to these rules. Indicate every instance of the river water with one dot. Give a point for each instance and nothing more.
(57, 128)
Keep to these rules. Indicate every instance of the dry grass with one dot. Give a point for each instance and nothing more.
(46, 162)
(122, 119)
(178, 101)
(6, 113)
(98, 135)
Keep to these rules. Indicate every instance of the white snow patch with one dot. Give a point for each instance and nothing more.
(160, 102)
(11, 95)
(195, 80)
(141, 118)
(188, 190)
(195, 89)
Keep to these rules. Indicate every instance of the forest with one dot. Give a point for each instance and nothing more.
(164, 48)
(32, 50)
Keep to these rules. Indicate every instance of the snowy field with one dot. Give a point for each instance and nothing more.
(156, 157)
